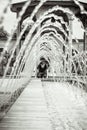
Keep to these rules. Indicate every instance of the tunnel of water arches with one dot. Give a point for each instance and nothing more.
(66, 17)
(50, 46)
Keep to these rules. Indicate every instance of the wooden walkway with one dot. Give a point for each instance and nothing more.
(29, 112)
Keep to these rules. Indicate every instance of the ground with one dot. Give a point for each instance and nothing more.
(48, 106)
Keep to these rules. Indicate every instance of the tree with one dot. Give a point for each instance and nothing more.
(3, 34)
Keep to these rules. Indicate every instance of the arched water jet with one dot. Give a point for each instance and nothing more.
(31, 49)
(20, 15)
(19, 19)
(66, 11)
(22, 52)
(76, 73)
(14, 28)
(40, 40)
(82, 10)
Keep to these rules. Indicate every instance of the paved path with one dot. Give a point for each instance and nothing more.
(29, 112)
(48, 106)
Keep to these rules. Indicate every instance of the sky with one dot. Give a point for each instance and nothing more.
(10, 18)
